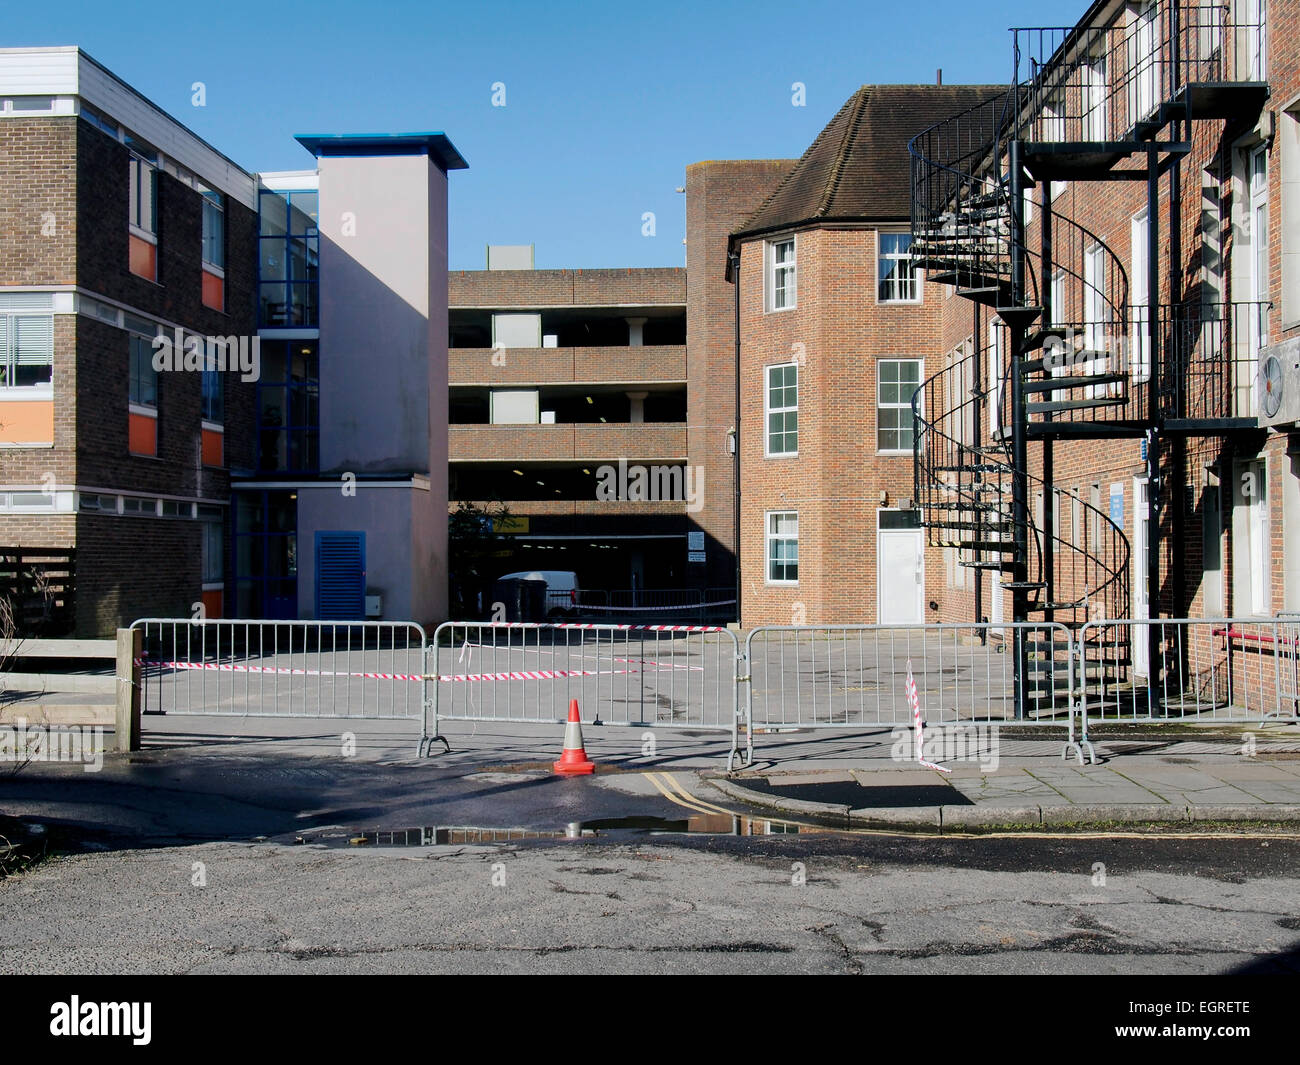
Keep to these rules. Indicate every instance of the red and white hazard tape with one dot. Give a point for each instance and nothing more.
(471, 678)
(227, 667)
(914, 702)
(682, 606)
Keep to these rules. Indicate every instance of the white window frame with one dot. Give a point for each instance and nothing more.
(1057, 290)
(900, 405)
(770, 537)
(1053, 133)
(1140, 342)
(1094, 313)
(996, 354)
(915, 283)
(9, 356)
(769, 410)
(788, 271)
(1143, 74)
(1252, 542)
(1252, 17)
(1096, 87)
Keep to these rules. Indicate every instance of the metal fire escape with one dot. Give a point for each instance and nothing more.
(1062, 348)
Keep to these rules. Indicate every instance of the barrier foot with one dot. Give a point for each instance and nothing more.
(425, 749)
(1092, 754)
(1069, 746)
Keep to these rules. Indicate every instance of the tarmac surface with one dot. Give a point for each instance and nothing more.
(279, 845)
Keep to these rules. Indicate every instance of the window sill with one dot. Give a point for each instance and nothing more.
(780, 454)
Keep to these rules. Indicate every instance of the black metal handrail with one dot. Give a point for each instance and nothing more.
(1210, 371)
(964, 488)
(1107, 82)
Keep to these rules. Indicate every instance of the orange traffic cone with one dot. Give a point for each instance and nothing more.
(574, 760)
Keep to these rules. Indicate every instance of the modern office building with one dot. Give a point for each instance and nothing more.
(178, 334)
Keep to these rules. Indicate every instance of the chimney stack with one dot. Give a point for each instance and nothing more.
(938, 76)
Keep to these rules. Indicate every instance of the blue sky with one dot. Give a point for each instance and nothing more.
(606, 102)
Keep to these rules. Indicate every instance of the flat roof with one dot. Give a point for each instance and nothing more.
(435, 144)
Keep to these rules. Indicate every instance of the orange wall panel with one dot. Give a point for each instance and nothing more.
(142, 434)
(214, 291)
(26, 422)
(213, 602)
(214, 447)
(143, 259)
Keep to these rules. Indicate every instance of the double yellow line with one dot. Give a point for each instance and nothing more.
(675, 792)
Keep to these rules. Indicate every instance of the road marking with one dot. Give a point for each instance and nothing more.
(670, 789)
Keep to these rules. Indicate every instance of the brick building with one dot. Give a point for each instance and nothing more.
(837, 328)
(119, 226)
(162, 357)
(1109, 432)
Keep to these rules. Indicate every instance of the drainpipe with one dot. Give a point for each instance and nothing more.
(734, 259)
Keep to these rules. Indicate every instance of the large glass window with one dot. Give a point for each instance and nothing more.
(214, 557)
(144, 378)
(26, 350)
(896, 273)
(214, 397)
(266, 554)
(783, 547)
(783, 409)
(289, 260)
(897, 381)
(288, 407)
(144, 194)
(214, 229)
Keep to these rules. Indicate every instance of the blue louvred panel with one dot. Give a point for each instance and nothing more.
(340, 576)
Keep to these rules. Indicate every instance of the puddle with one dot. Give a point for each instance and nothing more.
(436, 836)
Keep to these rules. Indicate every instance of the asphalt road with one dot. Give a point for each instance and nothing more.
(172, 880)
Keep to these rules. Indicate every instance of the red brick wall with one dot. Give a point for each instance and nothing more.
(720, 196)
(1107, 209)
(836, 481)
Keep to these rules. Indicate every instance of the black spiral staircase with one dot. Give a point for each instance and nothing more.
(1069, 357)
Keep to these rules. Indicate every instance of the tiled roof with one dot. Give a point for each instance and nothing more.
(858, 168)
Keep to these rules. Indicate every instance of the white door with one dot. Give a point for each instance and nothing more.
(900, 562)
(1141, 605)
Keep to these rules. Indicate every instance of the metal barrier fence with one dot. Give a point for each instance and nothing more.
(853, 676)
(652, 676)
(370, 669)
(1190, 669)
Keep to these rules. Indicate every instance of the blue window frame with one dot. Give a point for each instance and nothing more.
(289, 259)
(288, 407)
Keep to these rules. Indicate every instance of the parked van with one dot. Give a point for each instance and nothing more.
(562, 590)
